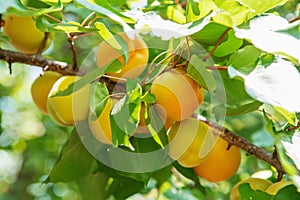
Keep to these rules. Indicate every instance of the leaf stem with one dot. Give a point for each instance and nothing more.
(205, 58)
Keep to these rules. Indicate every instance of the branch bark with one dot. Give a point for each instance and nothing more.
(66, 69)
(249, 147)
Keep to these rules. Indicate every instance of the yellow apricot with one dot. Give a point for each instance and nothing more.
(177, 93)
(221, 163)
(190, 142)
(23, 33)
(101, 128)
(71, 108)
(137, 61)
(41, 87)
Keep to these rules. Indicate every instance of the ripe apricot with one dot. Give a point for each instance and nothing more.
(137, 60)
(190, 142)
(41, 87)
(23, 33)
(177, 93)
(66, 110)
(221, 163)
(101, 128)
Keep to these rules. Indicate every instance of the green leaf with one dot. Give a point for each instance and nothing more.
(247, 193)
(210, 34)
(245, 59)
(89, 77)
(103, 8)
(288, 192)
(87, 185)
(259, 7)
(125, 114)
(243, 109)
(17, 8)
(229, 46)
(98, 98)
(45, 24)
(156, 126)
(121, 189)
(74, 162)
(289, 116)
(186, 172)
(148, 97)
(116, 41)
(197, 10)
(237, 97)
(196, 69)
(238, 12)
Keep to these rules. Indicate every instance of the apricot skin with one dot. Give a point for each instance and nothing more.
(177, 93)
(23, 33)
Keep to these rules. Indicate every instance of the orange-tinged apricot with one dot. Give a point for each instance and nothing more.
(190, 142)
(221, 163)
(41, 87)
(137, 59)
(177, 93)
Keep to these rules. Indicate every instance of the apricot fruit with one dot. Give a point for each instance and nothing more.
(41, 87)
(137, 59)
(101, 128)
(190, 142)
(67, 110)
(177, 93)
(23, 33)
(221, 163)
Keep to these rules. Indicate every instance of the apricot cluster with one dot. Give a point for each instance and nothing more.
(177, 95)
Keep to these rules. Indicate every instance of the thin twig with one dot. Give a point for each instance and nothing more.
(74, 51)
(87, 19)
(293, 20)
(217, 68)
(205, 58)
(43, 43)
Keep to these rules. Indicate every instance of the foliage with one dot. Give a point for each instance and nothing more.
(245, 54)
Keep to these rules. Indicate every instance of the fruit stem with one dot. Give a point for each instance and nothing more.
(74, 51)
(43, 43)
(87, 18)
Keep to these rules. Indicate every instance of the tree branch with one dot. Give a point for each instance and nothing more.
(249, 147)
(66, 69)
(36, 60)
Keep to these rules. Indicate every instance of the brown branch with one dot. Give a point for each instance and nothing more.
(249, 147)
(36, 60)
(205, 58)
(230, 137)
